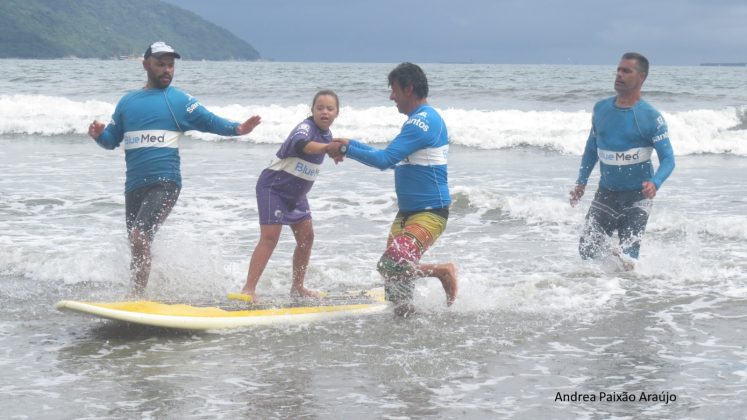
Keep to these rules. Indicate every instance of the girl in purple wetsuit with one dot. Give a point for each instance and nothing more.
(281, 193)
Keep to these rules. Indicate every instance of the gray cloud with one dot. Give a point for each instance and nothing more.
(484, 31)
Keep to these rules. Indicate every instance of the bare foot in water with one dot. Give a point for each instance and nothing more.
(627, 262)
(447, 273)
(306, 293)
(248, 296)
(404, 309)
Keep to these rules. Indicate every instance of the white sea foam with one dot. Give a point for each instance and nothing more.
(692, 132)
(531, 315)
(49, 115)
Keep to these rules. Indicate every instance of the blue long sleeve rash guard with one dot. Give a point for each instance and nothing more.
(150, 122)
(622, 140)
(419, 158)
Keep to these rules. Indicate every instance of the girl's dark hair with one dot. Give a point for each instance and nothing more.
(325, 92)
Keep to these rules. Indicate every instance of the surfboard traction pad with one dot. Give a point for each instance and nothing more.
(188, 316)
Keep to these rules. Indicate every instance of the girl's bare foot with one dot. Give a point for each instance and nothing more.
(248, 296)
(304, 292)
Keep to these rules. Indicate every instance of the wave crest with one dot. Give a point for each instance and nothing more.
(713, 131)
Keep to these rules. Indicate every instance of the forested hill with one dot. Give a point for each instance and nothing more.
(111, 28)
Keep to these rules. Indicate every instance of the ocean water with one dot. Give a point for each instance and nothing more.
(535, 332)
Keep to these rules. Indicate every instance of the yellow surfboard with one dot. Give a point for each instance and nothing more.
(188, 317)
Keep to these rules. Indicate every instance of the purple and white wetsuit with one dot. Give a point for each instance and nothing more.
(282, 186)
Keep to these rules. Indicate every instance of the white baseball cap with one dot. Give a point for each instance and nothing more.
(160, 48)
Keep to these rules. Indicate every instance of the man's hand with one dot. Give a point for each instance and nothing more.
(649, 189)
(95, 129)
(576, 193)
(247, 126)
(333, 149)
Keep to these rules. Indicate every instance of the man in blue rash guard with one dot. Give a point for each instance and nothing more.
(150, 122)
(418, 156)
(625, 130)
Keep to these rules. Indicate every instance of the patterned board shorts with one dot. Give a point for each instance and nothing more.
(411, 234)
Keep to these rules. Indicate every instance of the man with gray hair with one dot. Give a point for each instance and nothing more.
(625, 130)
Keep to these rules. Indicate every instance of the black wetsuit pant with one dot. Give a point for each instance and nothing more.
(623, 211)
(148, 207)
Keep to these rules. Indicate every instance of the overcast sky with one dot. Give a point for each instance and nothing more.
(672, 32)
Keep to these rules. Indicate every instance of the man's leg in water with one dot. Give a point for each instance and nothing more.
(600, 224)
(446, 273)
(410, 236)
(631, 228)
(146, 209)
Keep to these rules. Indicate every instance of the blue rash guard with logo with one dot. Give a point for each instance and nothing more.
(419, 158)
(622, 140)
(150, 122)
